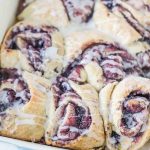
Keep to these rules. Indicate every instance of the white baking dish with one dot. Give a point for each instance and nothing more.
(8, 10)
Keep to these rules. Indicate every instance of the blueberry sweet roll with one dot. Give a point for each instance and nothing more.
(125, 110)
(23, 100)
(33, 47)
(100, 60)
(75, 121)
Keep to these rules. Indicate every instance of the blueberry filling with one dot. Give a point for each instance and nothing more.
(138, 94)
(63, 85)
(3, 107)
(115, 62)
(31, 41)
(109, 4)
(143, 59)
(137, 137)
(6, 74)
(115, 138)
(78, 119)
(135, 111)
(83, 121)
(129, 122)
(9, 97)
(79, 11)
(60, 88)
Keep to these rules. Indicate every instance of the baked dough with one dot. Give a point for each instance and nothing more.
(37, 48)
(125, 110)
(124, 22)
(59, 12)
(51, 11)
(74, 118)
(102, 59)
(23, 99)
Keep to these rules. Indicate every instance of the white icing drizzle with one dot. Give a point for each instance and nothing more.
(27, 115)
(3, 97)
(50, 53)
(112, 62)
(25, 122)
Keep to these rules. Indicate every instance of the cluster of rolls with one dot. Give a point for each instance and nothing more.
(75, 74)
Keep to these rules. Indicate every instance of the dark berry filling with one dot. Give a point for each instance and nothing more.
(62, 89)
(31, 41)
(19, 94)
(143, 59)
(109, 4)
(138, 137)
(6, 74)
(74, 121)
(135, 113)
(63, 85)
(115, 62)
(115, 138)
(133, 107)
(79, 11)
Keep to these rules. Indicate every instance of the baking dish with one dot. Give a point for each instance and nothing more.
(6, 23)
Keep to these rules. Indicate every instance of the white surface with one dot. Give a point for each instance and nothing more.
(7, 15)
(6, 146)
(28, 145)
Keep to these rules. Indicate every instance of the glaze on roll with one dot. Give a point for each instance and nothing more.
(36, 47)
(125, 110)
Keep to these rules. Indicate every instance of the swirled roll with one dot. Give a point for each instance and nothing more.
(75, 121)
(37, 48)
(126, 21)
(98, 60)
(21, 93)
(125, 110)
